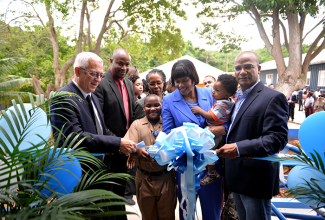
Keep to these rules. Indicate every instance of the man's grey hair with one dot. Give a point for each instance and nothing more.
(82, 59)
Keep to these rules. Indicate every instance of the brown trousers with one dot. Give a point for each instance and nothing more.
(156, 198)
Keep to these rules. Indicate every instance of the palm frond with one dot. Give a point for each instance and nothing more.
(26, 174)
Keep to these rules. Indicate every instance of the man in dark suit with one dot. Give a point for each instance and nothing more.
(116, 98)
(85, 116)
(258, 128)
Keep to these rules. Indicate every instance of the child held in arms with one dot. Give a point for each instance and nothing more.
(223, 89)
(155, 186)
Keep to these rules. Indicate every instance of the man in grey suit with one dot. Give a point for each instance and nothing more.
(116, 97)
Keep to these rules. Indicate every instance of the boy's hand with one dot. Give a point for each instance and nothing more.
(130, 162)
(144, 155)
(196, 110)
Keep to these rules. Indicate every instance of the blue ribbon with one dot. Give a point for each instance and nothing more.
(187, 150)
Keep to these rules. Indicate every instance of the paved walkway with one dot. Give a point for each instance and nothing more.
(299, 117)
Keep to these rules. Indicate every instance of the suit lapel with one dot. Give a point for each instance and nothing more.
(115, 89)
(81, 100)
(203, 102)
(248, 101)
(181, 105)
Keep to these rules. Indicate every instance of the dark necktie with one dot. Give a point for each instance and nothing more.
(91, 109)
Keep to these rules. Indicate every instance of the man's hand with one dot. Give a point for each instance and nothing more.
(196, 110)
(130, 162)
(217, 130)
(228, 151)
(127, 147)
(144, 155)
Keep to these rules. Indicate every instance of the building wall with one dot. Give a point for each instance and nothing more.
(313, 75)
(265, 72)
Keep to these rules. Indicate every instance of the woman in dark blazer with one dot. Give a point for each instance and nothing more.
(177, 110)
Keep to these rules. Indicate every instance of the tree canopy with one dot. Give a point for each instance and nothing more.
(288, 17)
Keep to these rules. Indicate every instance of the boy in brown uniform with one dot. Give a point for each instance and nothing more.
(156, 187)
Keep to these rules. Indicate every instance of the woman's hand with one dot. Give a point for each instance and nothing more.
(217, 130)
(130, 162)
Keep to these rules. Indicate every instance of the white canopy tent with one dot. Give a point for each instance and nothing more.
(202, 69)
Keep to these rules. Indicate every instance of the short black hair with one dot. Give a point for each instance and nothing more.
(152, 95)
(133, 78)
(145, 86)
(229, 82)
(159, 72)
(184, 68)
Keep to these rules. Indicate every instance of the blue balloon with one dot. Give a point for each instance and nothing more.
(311, 134)
(37, 123)
(297, 177)
(67, 180)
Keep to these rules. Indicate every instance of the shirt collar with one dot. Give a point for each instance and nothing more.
(146, 121)
(115, 77)
(240, 92)
(81, 90)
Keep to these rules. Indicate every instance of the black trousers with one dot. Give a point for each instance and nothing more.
(301, 107)
(309, 111)
(292, 110)
(130, 189)
(117, 164)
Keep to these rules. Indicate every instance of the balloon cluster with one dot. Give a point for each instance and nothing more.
(30, 124)
(311, 139)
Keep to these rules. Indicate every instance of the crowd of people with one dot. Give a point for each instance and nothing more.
(308, 101)
(113, 115)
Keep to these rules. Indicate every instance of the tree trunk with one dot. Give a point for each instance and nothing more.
(37, 86)
(50, 88)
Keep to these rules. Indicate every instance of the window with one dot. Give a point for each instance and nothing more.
(321, 78)
(269, 79)
(308, 78)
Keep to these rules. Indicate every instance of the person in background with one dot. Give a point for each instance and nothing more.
(209, 81)
(170, 88)
(116, 98)
(176, 110)
(145, 89)
(133, 70)
(309, 104)
(317, 93)
(292, 102)
(271, 86)
(314, 95)
(156, 81)
(305, 89)
(300, 100)
(223, 89)
(156, 187)
(258, 128)
(138, 86)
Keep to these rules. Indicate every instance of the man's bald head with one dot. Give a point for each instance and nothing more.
(250, 54)
(120, 51)
(120, 62)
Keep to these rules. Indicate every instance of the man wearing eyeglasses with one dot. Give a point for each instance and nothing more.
(258, 128)
(116, 97)
(85, 116)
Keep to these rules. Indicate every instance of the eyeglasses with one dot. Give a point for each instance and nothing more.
(95, 75)
(246, 67)
(157, 83)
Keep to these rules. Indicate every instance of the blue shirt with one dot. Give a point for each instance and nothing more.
(191, 105)
(241, 97)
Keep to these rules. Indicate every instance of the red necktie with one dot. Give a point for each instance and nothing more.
(126, 103)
